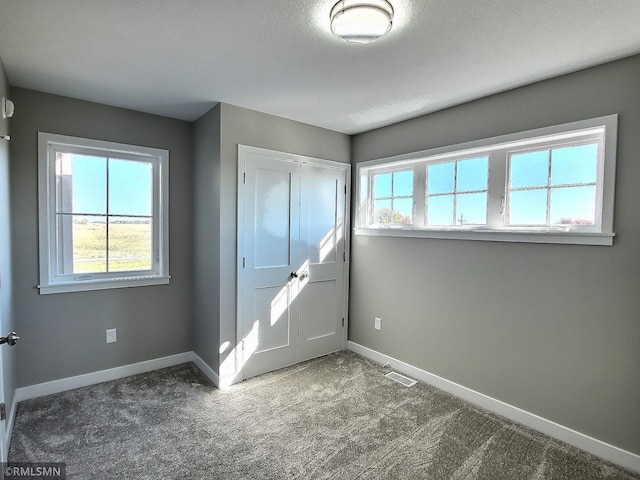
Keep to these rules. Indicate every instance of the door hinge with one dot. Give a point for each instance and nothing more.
(342, 322)
(344, 256)
(244, 178)
(157, 255)
(345, 189)
(244, 262)
(3, 411)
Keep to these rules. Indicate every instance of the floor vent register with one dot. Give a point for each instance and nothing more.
(406, 381)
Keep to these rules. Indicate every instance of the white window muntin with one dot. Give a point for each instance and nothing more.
(456, 193)
(59, 244)
(393, 197)
(593, 137)
(51, 280)
(602, 128)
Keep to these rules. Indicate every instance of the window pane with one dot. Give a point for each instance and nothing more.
(573, 205)
(471, 209)
(473, 174)
(82, 246)
(382, 212)
(440, 210)
(528, 207)
(130, 187)
(403, 209)
(574, 165)
(529, 169)
(382, 185)
(403, 183)
(81, 183)
(441, 178)
(130, 244)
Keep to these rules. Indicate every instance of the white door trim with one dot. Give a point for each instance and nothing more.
(293, 158)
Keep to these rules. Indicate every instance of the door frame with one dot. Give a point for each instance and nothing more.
(292, 158)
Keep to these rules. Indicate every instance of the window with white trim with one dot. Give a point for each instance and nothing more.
(457, 192)
(103, 214)
(393, 197)
(550, 185)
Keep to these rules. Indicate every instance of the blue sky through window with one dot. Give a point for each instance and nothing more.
(393, 197)
(130, 187)
(449, 186)
(382, 185)
(564, 170)
(532, 174)
(574, 165)
(554, 184)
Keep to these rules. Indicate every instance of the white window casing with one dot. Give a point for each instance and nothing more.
(597, 135)
(58, 259)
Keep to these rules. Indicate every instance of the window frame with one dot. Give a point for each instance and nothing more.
(391, 198)
(499, 149)
(456, 193)
(50, 280)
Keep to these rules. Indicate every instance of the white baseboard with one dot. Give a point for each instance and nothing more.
(584, 442)
(206, 369)
(64, 384)
(8, 429)
(55, 386)
(616, 455)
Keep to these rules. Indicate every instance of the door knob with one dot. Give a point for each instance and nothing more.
(11, 339)
(293, 275)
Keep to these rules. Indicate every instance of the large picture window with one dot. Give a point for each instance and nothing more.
(551, 185)
(103, 214)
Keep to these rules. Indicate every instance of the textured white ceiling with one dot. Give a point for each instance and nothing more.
(179, 57)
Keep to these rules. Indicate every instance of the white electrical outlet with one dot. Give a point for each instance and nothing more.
(112, 337)
(377, 323)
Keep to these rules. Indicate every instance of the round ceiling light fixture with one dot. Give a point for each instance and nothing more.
(361, 21)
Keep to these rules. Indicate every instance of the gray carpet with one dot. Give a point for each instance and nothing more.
(336, 417)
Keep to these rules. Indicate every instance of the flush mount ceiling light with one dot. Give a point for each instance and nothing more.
(361, 21)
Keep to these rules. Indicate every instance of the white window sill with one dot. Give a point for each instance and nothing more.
(567, 238)
(101, 284)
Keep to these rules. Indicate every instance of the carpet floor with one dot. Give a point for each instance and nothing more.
(336, 417)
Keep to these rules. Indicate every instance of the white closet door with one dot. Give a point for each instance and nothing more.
(271, 253)
(322, 248)
(292, 264)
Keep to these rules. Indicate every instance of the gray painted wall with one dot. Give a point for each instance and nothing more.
(552, 329)
(206, 237)
(247, 127)
(7, 323)
(64, 334)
